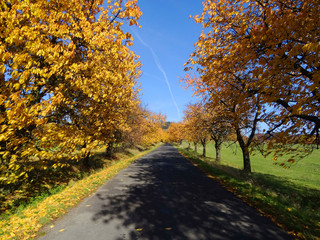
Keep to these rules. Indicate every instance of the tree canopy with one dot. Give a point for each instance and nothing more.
(259, 60)
(67, 80)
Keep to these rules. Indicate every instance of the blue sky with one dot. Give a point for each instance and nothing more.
(164, 42)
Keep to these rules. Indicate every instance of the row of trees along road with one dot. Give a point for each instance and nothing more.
(67, 84)
(258, 61)
(201, 125)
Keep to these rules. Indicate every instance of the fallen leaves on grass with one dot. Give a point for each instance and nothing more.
(25, 225)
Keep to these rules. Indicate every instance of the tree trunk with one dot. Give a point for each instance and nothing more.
(109, 150)
(203, 150)
(246, 160)
(86, 161)
(245, 151)
(217, 145)
(203, 143)
(195, 147)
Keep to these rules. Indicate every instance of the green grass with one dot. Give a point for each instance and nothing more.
(290, 197)
(305, 172)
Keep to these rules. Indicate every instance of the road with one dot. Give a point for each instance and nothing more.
(163, 196)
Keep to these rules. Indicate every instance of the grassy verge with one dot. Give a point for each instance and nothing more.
(25, 223)
(305, 172)
(293, 206)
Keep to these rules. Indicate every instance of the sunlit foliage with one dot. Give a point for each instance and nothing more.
(260, 60)
(176, 132)
(67, 80)
(196, 124)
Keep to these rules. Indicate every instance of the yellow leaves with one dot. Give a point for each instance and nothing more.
(5, 154)
(71, 81)
(291, 160)
(198, 19)
(129, 36)
(311, 46)
(52, 207)
(267, 41)
(2, 68)
(40, 52)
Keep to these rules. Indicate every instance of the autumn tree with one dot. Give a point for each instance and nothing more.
(67, 80)
(176, 132)
(196, 124)
(152, 129)
(267, 52)
(226, 96)
(189, 136)
(144, 127)
(205, 123)
(237, 110)
(219, 128)
(282, 42)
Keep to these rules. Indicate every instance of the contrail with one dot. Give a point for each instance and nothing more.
(157, 62)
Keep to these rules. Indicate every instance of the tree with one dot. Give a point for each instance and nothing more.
(196, 124)
(225, 94)
(219, 129)
(283, 42)
(153, 132)
(67, 80)
(144, 127)
(176, 132)
(269, 50)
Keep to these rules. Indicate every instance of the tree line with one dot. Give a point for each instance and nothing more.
(257, 61)
(68, 84)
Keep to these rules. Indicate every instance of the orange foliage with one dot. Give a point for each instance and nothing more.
(176, 132)
(145, 127)
(67, 80)
(259, 60)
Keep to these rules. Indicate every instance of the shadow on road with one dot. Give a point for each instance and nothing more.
(163, 196)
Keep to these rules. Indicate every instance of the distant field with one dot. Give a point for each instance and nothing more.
(305, 172)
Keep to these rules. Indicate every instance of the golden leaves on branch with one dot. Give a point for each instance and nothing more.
(177, 132)
(67, 80)
(145, 127)
(261, 53)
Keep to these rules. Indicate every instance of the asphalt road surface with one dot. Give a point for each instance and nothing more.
(163, 196)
